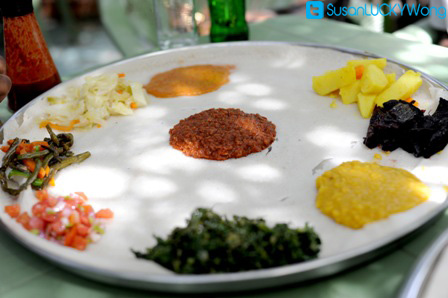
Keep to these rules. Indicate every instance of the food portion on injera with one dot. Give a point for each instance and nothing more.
(220, 134)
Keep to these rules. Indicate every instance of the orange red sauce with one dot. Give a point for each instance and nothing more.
(189, 81)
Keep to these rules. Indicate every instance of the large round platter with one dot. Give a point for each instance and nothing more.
(153, 188)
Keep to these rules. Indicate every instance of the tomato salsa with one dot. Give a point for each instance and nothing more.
(68, 220)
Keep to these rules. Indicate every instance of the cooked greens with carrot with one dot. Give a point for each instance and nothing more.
(36, 163)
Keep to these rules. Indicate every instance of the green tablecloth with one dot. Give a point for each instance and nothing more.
(24, 274)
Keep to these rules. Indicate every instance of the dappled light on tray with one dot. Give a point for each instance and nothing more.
(254, 89)
(216, 192)
(270, 104)
(238, 77)
(155, 112)
(153, 187)
(259, 173)
(330, 136)
(230, 97)
(432, 174)
(97, 181)
(166, 160)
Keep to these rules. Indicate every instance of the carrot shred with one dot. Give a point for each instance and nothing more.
(121, 75)
(5, 148)
(60, 127)
(30, 164)
(21, 148)
(359, 71)
(41, 173)
(39, 143)
(52, 183)
(98, 125)
(47, 171)
(120, 91)
(410, 99)
(133, 105)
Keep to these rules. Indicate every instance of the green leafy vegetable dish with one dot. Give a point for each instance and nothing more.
(211, 243)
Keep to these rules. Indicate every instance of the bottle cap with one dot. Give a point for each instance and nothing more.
(16, 8)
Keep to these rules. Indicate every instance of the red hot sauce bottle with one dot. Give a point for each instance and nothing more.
(29, 63)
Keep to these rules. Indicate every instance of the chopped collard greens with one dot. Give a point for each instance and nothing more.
(211, 243)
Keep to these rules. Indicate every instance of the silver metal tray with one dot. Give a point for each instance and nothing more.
(258, 279)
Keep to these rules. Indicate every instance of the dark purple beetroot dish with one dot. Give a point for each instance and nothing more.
(399, 124)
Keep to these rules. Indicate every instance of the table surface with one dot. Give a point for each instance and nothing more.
(24, 274)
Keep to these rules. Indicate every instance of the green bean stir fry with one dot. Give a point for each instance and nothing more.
(37, 162)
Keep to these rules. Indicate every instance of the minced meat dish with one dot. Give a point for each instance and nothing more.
(220, 134)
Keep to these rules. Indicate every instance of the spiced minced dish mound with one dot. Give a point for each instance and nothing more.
(220, 134)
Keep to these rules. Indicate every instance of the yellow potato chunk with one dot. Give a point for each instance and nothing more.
(403, 88)
(373, 80)
(349, 94)
(391, 78)
(333, 80)
(357, 193)
(366, 104)
(381, 63)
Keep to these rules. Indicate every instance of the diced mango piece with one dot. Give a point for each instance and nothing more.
(366, 103)
(333, 80)
(349, 94)
(381, 63)
(373, 80)
(391, 78)
(403, 88)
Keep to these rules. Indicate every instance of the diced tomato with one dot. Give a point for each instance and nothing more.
(74, 217)
(36, 223)
(79, 243)
(87, 209)
(38, 208)
(41, 195)
(24, 220)
(48, 216)
(10, 142)
(56, 228)
(52, 201)
(104, 213)
(85, 220)
(70, 225)
(5, 148)
(82, 230)
(13, 210)
(70, 236)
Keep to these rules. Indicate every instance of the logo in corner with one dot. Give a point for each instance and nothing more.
(314, 10)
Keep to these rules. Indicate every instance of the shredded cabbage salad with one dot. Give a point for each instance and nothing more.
(94, 102)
